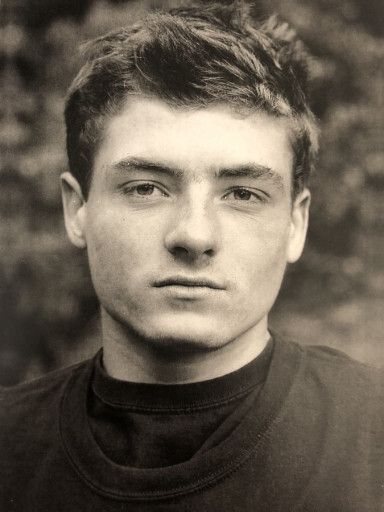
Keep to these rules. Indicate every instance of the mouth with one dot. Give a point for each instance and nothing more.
(188, 282)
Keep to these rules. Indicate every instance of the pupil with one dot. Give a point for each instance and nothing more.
(146, 189)
(242, 194)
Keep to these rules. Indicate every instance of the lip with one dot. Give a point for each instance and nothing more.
(188, 282)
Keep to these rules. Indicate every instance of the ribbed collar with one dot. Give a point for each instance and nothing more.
(178, 397)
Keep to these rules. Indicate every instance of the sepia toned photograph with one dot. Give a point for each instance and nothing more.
(192, 255)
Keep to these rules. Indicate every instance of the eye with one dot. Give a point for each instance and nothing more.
(143, 189)
(244, 194)
(146, 189)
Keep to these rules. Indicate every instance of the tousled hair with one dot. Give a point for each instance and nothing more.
(193, 57)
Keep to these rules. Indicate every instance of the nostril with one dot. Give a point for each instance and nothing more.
(189, 253)
(179, 251)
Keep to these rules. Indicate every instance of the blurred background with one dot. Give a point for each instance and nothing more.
(333, 296)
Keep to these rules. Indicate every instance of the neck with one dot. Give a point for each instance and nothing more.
(128, 357)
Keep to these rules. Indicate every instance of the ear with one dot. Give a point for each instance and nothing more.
(74, 206)
(299, 225)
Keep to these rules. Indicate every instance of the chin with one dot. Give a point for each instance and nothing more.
(182, 336)
(184, 340)
(188, 332)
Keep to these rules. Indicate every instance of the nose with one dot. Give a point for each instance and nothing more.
(193, 233)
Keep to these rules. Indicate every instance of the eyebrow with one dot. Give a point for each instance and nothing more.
(141, 164)
(254, 171)
(249, 170)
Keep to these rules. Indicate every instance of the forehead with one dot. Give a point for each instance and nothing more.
(195, 140)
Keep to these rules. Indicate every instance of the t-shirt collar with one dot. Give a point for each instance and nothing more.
(194, 395)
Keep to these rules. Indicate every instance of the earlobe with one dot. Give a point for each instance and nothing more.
(74, 206)
(299, 226)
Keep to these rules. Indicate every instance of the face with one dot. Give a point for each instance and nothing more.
(189, 222)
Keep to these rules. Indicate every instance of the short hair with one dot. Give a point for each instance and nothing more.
(193, 57)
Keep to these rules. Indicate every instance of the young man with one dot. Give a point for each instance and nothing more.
(190, 142)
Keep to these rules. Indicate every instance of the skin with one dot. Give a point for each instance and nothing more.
(197, 195)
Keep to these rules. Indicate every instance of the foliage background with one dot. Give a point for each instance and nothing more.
(334, 295)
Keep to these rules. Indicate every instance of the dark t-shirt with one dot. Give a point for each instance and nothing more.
(306, 434)
(149, 425)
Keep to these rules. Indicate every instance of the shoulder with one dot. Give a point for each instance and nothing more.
(332, 421)
(36, 399)
(338, 368)
(335, 378)
(336, 400)
(30, 434)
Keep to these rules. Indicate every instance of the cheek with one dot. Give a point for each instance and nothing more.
(114, 245)
(114, 255)
(260, 254)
